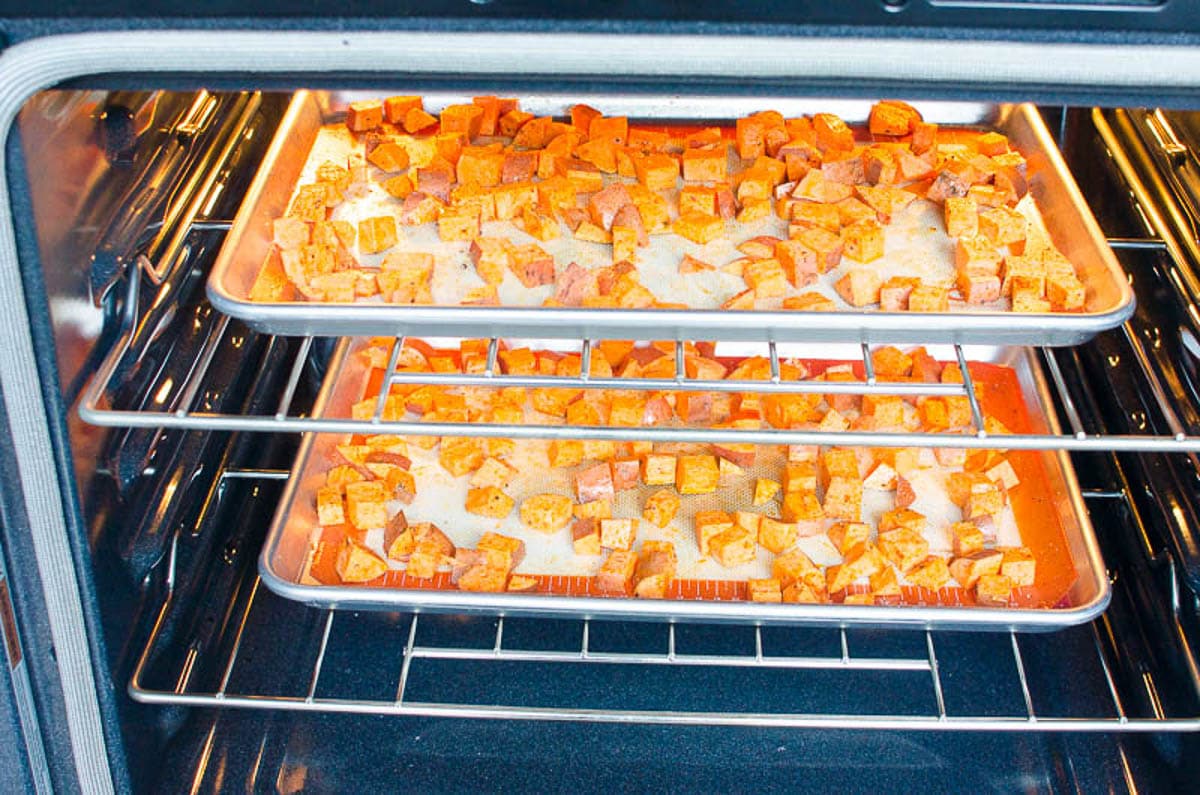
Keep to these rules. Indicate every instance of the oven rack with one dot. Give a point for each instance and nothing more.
(101, 404)
(493, 667)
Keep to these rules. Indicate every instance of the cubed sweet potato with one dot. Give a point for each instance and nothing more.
(546, 513)
(661, 507)
(616, 573)
(357, 563)
(709, 524)
(696, 474)
(734, 547)
(366, 504)
(618, 533)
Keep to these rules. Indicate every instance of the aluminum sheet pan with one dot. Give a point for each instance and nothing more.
(1063, 211)
(287, 554)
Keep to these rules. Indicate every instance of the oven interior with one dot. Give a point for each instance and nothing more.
(223, 683)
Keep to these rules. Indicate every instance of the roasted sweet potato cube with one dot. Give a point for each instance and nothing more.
(863, 241)
(364, 115)
(734, 547)
(616, 573)
(614, 129)
(978, 287)
(800, 475)
(892, 118)
(839, 462)
(658, 469)
(532, 265)
(750, 132)
(904, 547)
(459, 223)
(485, 579)
(585, 536)
(795, 566)
(884, 582)
(803, 593)
(843, 499)
(799, 261)
(961, 216)
(491, 258)
(460, 455)
(661, 507)
(546, 513)
(419, 208)
(992, 143)
(754, 211)
(967, 538)
(993, 590)
(376, 234)
(462, 118)
(1019, 566)
(775, 535)
(1029, 268)
(848, 535)
(764, 590)
(931, 573)
(766, 277)
(330, 509)
(522, 583)
(658, 172)
(825, 245)
(389, 157)
(709, 524)
(426, 558)
(924, 137)
(655, 569)
(596, 509)
(832, 134)
(881, 477)
(705, 165)
(862, 561)
(395, 108)
(765, 490)
(902, 518)
(929, 298)
(1065, 291)
(699, 228)
(416, 120)
(489, 501)
(366, 504)
(357, 563)
(501, 551)
(804, 510)
(748, 521)
(618, 533)
(625, 473)
(933, 414)
(860, 287)
(696, 474)
(594, 483)
(976, 253)
(968, 569)
(787, 411)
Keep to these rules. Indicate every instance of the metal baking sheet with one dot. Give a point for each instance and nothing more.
(287, 555)
(1062, 208)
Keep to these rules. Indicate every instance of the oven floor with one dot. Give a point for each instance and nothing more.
(323, 753)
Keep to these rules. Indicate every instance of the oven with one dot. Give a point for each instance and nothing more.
(152, 437)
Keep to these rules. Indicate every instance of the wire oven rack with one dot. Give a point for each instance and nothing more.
(101, 406)
(281, 655)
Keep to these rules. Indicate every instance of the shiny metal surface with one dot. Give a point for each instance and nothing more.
(287, 547)
(1064, 211)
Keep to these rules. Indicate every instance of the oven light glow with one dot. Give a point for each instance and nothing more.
(164, 391)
